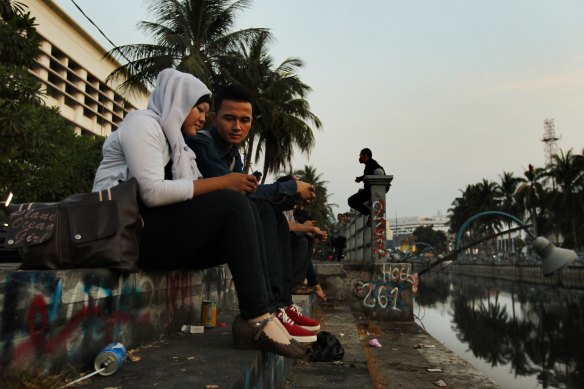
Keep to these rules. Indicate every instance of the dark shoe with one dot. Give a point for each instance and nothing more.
(248, 335)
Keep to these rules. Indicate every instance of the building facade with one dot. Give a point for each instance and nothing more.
(72, 70)
(405, 226)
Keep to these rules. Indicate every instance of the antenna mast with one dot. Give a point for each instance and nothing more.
(550, 138)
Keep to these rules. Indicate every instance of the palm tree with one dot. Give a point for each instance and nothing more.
(189, 35)
(282, 113)
(475, 199)
(507, 188)
(568, 174)
(320, 208)
(531, 194)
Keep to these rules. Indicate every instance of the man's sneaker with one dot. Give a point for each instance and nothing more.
(294, 312)
(297, 333)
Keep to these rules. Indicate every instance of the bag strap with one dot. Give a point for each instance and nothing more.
(109, 194)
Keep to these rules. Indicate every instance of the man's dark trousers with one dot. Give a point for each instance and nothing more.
(358, 200)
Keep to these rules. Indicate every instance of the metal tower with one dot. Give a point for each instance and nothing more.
(550, 138)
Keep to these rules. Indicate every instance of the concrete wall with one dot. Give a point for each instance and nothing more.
(570, 277)
(52, 319)
(383, 291)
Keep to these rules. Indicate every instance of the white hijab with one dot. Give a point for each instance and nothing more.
(175, 95)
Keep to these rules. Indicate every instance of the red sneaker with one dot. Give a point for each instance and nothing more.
(294, 312)
(296, 332)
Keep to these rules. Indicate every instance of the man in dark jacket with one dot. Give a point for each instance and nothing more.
(360, 200)
(217, 155)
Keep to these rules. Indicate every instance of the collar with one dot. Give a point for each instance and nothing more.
(223, 148)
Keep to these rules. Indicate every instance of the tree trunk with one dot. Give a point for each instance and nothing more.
(248, 154)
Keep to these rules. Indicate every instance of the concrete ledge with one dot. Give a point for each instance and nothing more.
(201, 360)
(53, 319)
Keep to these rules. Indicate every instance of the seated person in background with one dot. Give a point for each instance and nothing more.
(191, 222)
(302, 239)
(218, 155)
(305, 233)
(359, 200)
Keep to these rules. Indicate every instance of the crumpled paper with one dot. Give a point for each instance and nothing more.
(374, 343)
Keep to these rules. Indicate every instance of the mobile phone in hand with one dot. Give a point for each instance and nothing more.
(257, 175)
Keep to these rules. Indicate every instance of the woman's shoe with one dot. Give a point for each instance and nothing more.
(303, 346)
(248, 335)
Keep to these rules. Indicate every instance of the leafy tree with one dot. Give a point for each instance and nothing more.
(320, 208)
(197, 37)
(189, 35)
(508, 204)
(18, 91)
(41, 157)
(429, 235)
(282, 113)
(531, 195)
(475, 199)
(567, 201)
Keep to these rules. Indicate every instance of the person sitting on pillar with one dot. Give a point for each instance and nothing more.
(360, 200)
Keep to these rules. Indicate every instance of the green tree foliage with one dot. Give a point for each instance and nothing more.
(320, 208)
(41, 157)
(550, 200)
(430, 236)
(197, 37)
(188, 35)
(282, 113)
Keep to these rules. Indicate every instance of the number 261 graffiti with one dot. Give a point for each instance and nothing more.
(386, 292)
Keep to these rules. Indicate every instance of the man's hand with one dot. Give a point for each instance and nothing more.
(309, 223)
(305, 191)
(242, 183)
(320, 234)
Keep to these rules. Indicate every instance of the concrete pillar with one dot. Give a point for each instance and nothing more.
(378, 185)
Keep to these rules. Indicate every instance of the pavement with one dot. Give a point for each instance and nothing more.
(402, 361)
(210, 360)
(181, 361)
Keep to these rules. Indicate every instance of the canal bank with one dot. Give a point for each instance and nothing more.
(521, 335)
(570, 277)
(409, 357)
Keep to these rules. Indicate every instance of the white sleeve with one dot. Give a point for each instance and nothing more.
(146, 150)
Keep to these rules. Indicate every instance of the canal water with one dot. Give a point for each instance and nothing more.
(520, 335)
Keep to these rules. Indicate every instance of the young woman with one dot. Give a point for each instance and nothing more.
(191, 222)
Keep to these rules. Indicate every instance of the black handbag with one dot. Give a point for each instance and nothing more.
(85, 230)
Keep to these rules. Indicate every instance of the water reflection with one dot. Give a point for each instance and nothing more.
(521, 335)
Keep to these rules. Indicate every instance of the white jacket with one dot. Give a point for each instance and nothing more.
(148, 139)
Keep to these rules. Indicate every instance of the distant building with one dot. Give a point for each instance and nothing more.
(405, 226)
(72, 70)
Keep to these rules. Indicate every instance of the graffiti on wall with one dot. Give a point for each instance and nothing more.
(379, 232)
(387, 291)
(60, 319)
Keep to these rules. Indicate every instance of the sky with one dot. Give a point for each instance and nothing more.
(445, 93)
